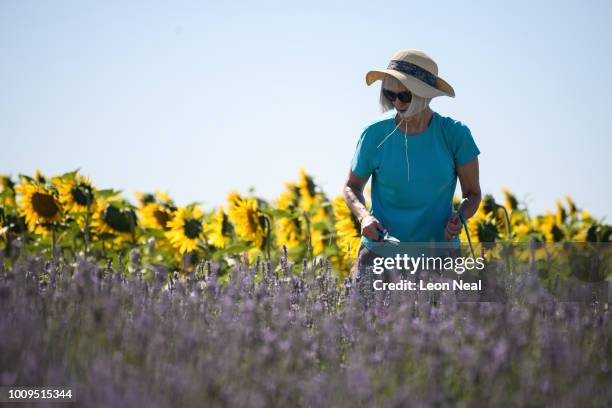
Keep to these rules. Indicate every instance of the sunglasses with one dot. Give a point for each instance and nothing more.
(402, 96)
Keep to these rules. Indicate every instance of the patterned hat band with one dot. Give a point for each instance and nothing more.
(411, 69)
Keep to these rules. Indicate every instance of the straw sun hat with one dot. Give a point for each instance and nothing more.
(416, 71)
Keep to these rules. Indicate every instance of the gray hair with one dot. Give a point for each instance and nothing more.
(417, 104)
(393, 84)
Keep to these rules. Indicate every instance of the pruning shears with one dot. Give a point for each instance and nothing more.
(388, 238)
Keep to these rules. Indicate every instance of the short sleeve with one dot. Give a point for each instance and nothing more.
(464, 147)
(363, 159)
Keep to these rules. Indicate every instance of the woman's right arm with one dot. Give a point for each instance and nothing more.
(353, 196)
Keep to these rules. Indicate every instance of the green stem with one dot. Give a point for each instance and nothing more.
(308, 240)
(508, 228)
(86, 230)
(268, 234)
(53, 238)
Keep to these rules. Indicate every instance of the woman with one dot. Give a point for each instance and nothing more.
(414, 157)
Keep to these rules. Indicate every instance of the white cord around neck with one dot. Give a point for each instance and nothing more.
(405, 146)
(393, 131)
(407, 161)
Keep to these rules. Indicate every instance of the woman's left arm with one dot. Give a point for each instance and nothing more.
(470, 188)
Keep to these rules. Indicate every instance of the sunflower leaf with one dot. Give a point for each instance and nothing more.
(314, 207)
(236, 247)
(155, 232)
(283, 213)
(106, 193)
(321, 225)
(25, 178)
(6, 194)
(70, 175)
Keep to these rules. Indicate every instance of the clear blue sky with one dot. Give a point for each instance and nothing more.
(199, 98)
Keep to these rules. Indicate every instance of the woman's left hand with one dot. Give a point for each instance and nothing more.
(453, 226)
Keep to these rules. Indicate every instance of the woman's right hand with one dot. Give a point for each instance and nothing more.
(371, 228)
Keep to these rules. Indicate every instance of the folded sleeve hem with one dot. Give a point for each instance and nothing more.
(363, 173)
(469, 159)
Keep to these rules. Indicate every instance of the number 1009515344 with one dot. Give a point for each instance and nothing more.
(16, 393)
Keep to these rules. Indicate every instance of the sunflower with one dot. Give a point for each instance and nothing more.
(317, 237)
(347, 229)
(487, 229)
(163, 198)
(548, 226)
(521, 225)
(518, 218)
(6, 182)
(582, 234)
(144, 198)
(590, 230)
(39, 205)
(7, 188)
(561, 214)
(318, 227)
(115, 218)
(289, 199)
(39, 177)
(289, 231)
(155, 210)
(490, 212)
(156, 216)
(186, 229)
(573, 210)
(3, 228)
(76, 193)
(483, 225)
(510, 201)
(306, 187)
(219, 230)
(248, 221)
(488, 204)
(522, 231)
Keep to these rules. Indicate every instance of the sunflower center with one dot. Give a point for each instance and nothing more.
(82, 194)
(226, 227)
(122, 221)
(193, 229)
(487, 232)
(162, 218)
(44, 204)
(7, 182)
(148, 198)
(488, 204)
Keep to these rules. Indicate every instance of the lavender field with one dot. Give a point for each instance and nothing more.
(265, 336)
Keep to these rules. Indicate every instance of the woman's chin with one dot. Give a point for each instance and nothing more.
(402, 113)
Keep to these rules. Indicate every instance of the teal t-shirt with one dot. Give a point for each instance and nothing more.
(413, 177)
